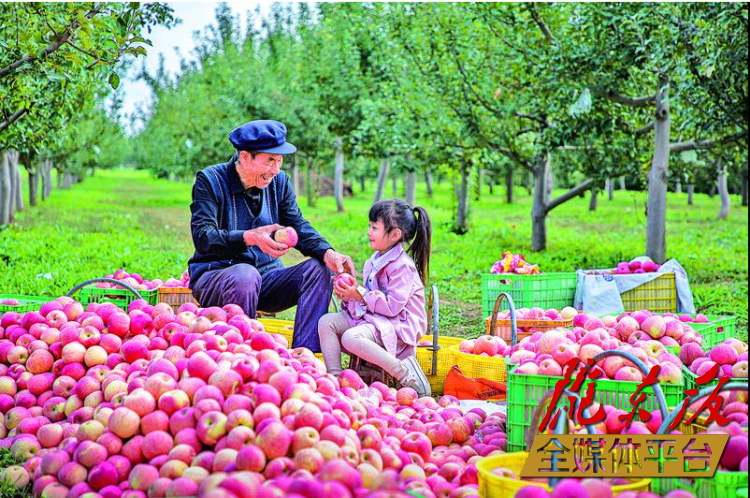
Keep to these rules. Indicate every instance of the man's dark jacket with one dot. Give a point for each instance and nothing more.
(220, 215)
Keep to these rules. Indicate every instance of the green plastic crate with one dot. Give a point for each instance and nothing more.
(546, 290)
(722, 485)
(717, 330)
(26, 303)
(525, 393)
(690, 380)
(119, 297)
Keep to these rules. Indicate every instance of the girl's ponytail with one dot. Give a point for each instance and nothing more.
(420, 248)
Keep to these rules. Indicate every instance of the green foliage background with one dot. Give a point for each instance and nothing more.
(126, 219)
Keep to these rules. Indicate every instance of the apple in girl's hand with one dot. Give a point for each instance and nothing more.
(344, 279)
(286, 236)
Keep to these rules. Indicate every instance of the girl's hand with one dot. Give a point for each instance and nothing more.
(346, 291)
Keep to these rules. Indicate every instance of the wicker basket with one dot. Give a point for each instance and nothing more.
(176, 296)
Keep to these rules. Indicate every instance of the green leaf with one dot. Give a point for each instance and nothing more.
(114, 80)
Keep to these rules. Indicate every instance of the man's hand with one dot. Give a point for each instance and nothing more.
(339, 263)
(261, 237)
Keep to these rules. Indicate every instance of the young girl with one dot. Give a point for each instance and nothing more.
(382, 321)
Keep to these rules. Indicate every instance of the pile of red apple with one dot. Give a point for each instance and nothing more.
(731, 355)
(149, 403)
(183, 281)
(546, 353)
(640, 326)
(635, 266)
(486, 345)
(134, 280)
(567, 313)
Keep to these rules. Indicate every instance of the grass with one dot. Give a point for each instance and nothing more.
(126, 219)
(8, 490)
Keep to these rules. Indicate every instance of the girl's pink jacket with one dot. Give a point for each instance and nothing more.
(395, 302)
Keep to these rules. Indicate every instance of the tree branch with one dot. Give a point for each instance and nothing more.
(512, 155)
(628, 101)
(52, 47)
(540, 22)
(489, 26)
(568, 195)
(538, 119)
(85, 52)
(645, 129)
(705, 144)
(15, 117)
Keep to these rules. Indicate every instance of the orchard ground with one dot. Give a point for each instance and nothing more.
(126, 219)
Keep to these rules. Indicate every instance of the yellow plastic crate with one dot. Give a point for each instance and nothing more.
(484, 367)
(445, 360)
(494, 486)
(277, 326)
(657, 296)
(176, 296)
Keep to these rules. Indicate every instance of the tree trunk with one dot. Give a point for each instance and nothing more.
(362, 182)
(463, 199)
(411, 187)
(428, 181)
(309, 183)
(382, 176)
(622, 183)
(67, 179)
(712, 191)
(13, 188)
(338, 176)
(656, 220)
(530, 183)
(744, 186)
(690, 190)
(509, 186)
(295, 176)
(539, 207)
(610, 189)
(5, 190)
(33, 186)
(478, 184)
(13, 158)
(394, 184)
(59, 178)
(49, 178)
(44, 168)
(677, 186)
(594, 197)
(723, 192)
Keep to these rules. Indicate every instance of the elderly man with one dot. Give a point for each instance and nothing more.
(237, 206)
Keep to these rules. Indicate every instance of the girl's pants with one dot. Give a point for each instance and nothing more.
(334, 331)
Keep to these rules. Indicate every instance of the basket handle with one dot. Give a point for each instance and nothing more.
(639, 364)
(110, 280)
(706, 391)
(562, 426)
(435, 312)
(512, 308)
